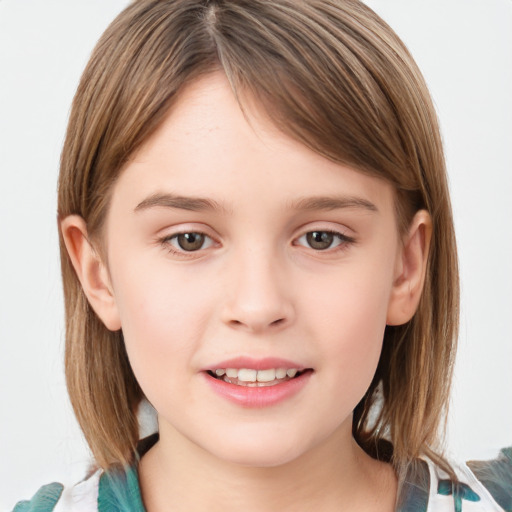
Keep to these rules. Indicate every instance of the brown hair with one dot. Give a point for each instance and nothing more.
(334, 76)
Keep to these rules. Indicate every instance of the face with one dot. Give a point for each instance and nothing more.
(252, 279)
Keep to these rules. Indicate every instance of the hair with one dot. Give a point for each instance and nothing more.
(332, 75)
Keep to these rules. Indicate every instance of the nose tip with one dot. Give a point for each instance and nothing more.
(258, 299)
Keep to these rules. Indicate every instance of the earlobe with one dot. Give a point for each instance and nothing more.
(91, 271)
(410, 271)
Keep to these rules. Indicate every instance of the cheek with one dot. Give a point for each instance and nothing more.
(354, 299)
(351, 317)
(358, 331)
(162, 318)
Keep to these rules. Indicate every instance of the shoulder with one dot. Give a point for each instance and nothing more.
(116, 490)
(55, 497)
(482, 486)
(496, 477)
(113, 490)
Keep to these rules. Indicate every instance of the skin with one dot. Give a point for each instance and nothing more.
(256, 288)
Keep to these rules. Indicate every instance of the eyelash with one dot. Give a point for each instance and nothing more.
(344, 241)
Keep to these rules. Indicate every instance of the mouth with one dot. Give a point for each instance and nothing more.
(249, 377)
(255, 383)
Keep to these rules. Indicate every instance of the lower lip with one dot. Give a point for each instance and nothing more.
(258, 397)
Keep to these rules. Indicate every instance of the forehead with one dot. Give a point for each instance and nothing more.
(208, 147)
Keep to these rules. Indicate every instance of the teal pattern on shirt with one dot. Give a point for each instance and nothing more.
(459, 491)
(119, 491)
(43, 501)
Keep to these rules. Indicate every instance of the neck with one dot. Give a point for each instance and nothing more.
(336, 475)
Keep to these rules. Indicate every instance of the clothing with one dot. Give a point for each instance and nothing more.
(485, 486)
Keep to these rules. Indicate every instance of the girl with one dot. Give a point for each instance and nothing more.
(256, 238)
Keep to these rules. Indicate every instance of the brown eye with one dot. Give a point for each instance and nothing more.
(320, 240)
(190, 241)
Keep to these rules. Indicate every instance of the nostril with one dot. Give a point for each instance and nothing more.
(238, 323)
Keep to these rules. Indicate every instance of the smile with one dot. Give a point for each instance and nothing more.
(255, 378)
(257, 383)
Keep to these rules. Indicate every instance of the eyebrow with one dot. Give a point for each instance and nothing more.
(332, 203)
(195, 204)
(326, 203)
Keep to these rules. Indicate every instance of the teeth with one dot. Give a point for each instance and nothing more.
(280, 373)
(251, 376)
(245, 375)
(266, 375)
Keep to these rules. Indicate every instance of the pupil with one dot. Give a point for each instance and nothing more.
(191, 241)
(320, 240)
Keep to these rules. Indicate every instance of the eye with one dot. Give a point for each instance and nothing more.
(323, 240)
(189, 242)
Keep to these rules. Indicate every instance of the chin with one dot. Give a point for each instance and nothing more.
(257, 459)
(258, 450)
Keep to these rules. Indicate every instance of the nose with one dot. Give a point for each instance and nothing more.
(258, 296)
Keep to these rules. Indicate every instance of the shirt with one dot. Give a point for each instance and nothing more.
(484, 486)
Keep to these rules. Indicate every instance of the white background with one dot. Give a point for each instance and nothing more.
(464, 48)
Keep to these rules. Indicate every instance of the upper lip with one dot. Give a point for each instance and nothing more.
(256, 364)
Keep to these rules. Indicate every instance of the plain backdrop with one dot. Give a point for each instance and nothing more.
(464, 48)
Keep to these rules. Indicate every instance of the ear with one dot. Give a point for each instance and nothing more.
(410, 270)
(91, 271)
